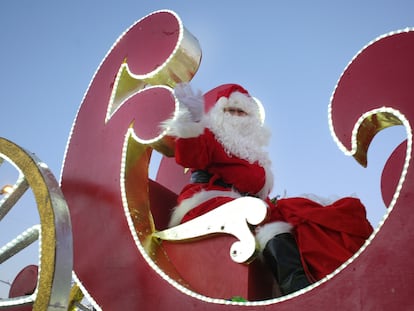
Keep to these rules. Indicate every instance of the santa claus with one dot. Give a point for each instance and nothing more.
(222, 141)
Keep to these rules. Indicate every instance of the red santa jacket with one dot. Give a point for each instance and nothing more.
(230, 176)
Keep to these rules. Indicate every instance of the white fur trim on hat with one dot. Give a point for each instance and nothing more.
(268, 231)
(188, 204)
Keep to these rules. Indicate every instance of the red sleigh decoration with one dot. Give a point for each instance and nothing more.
(116, 208)
(114, 205)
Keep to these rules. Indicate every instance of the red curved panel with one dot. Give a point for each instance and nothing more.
(106, 259)
(375, 92)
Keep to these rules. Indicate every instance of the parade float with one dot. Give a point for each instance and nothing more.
(105, 225)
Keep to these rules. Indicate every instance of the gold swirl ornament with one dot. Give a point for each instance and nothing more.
(54, 232)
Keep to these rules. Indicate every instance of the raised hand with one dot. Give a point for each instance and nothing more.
(194, 102)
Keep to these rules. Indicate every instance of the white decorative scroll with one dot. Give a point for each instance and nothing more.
(232, 218)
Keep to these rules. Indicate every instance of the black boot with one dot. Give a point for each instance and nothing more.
(282, 255)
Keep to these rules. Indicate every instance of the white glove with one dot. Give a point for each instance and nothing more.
(193, 102)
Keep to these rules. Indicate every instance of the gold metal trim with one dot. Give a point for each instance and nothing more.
(55, 247)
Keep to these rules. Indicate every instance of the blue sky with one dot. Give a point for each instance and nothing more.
(289, 54)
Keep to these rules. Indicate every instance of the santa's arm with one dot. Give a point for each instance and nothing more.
(188, 125)
(188, 120)
(192, 152)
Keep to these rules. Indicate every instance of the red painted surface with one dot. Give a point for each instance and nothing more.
(382, 75)
(206, 265)
(106, 258)
(24, 284)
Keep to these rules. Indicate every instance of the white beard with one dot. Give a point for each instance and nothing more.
(242, 136)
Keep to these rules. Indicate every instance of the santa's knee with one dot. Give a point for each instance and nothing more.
(266, 232)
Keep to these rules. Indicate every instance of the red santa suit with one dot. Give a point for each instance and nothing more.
(229, 176)
(326, 235)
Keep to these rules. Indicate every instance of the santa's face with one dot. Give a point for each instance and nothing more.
(238, 114)
(235, 111)
(239, 104)
(237, 125)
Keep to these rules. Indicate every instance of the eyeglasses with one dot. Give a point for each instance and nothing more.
(235, 111)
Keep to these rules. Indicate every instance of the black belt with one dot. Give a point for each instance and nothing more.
(203, 177)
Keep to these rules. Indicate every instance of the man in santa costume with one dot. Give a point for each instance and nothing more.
(221, 138)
